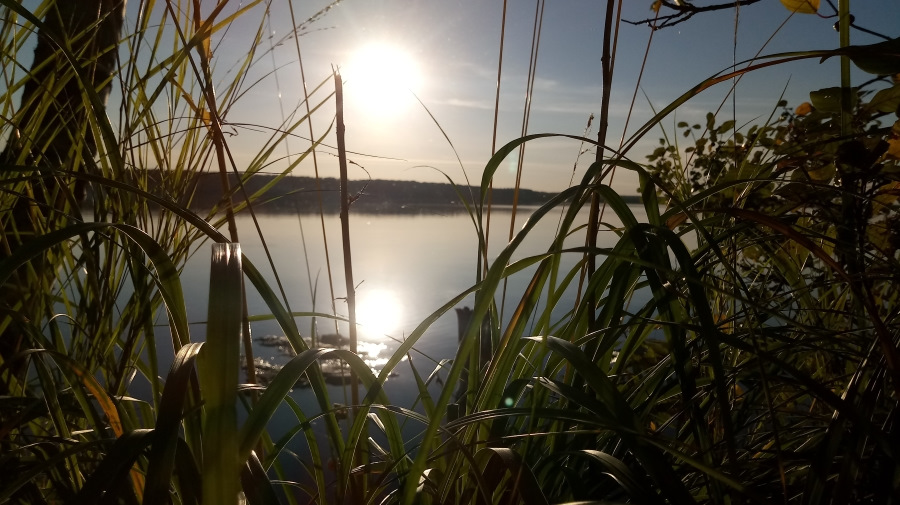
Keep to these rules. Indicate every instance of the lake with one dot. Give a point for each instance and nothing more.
(405, 265)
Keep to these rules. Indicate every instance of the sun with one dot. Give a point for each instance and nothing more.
(378, 313)
(380, 79)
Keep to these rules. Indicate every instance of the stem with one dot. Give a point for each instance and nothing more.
(602, 128)
(313, 334)
(218, 138)
(844, 28)
(526, 117)
(482, 271)
(355, 492)
(345, 230)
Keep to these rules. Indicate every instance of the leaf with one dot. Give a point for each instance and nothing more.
(116, 465)
(879, 236)
(176, 396)
(885, 197)
(803, 109)
(802, 6)
(887, 100)
(219, 364)
(167, 275)
(676, 220)
(829, 99)
(633, 483)
(502, 461)
(882, 58)
(726, 126)
(256, 484)
(822, 173)
(894, 148)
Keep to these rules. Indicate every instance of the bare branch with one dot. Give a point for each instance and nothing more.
(682, 11)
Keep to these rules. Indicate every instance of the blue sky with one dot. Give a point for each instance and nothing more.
(455, 46)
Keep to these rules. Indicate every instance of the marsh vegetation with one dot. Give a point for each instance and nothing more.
(762, 366)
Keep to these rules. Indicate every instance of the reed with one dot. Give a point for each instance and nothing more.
(763, 366)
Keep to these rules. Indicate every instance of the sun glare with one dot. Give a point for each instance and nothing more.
(380, 78)
(378, 313)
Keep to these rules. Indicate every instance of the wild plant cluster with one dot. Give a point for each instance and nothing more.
(763, 365)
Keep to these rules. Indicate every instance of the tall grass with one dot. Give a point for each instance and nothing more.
(762, 367)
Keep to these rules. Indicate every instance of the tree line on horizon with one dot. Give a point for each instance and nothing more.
(301, 193)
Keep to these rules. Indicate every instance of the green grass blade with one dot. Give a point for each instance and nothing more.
(629, 428)
(170, 413)
(219, 366)
(278, 388)
(167, 274)
(115, 466)
(257, 488)
(501, 461)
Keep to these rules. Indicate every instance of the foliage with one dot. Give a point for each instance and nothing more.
(760, 365)
(83, 281)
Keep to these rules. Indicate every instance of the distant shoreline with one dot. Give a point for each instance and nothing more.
(302, 194)
(298, 194)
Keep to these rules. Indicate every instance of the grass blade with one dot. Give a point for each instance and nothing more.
(219, 365)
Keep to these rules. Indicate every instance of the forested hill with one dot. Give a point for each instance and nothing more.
(291, 194)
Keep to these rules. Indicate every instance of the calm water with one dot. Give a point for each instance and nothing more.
(405, 267)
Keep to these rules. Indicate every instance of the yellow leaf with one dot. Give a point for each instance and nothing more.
(103, 400)
(802, 6)
(676, 221)
(656, 5)
(894, 148)
(203, 26)
(207, 48)
(894, 142)
(803, 109)
(112, 414)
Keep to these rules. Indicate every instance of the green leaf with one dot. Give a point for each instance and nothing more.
(726, 126)
(219, 367)
(887, 100)
(882, 58)
(168, 423)
(115, 466)
(502, 461)
(634, 484)
(829, 99)
(167, 275)
(280, 386)
(610, 403)
(256, 484)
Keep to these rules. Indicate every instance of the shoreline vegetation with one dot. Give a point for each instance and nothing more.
(289, 194)
(770, 253)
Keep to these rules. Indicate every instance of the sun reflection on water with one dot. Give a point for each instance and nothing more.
(378, 313)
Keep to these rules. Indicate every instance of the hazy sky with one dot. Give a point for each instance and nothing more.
(454, 46)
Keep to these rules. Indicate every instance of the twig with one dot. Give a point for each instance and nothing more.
(683, 12)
